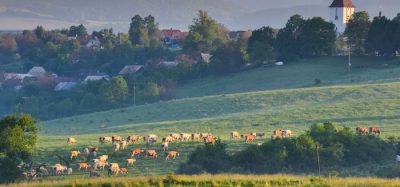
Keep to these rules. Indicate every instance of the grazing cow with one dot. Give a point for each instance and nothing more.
(151, 141)
(123, 145)
(164, 145)
(175, 136)
(210, 140)
(113, 171)
(204, 135)
(94, 174)
(124, 171)
(244, 135)
(196, 136)
(133, 138)
(114, 165)
(84, 166)
(278, 132)
(185, 137)
(362, 130)
(374, 130)
(135, 152)
(88, 150)
(235, 134)
(168, 139)
(57, 169)
(286, 133)
(74, 154)
(171, 154)
(116, 138)
(100, 165)
(151, 153)
(260, 134)
(103, 158)
(116, 147)
(130, 161)
(71, 141)
(250, 138)
(104, 140)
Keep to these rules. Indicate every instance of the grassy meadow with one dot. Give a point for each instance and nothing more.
(225, 180)
(260, 100)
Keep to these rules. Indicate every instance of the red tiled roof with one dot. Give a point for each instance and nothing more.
(342, 3)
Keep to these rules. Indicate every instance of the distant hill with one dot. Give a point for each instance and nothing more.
(235, 14)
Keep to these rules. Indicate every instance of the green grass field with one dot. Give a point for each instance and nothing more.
(369, 95)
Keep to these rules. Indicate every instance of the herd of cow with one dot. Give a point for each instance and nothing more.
(120, 144)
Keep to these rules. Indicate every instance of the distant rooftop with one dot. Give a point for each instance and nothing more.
(342, 3)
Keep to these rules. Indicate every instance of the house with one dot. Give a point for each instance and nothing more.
(172, 37)
(16, 76)
(93, 43)
(96, 78)
(64, 86)
(168, 64)
(37, 71)
(130, 69)
(340, 13)
(206, 57)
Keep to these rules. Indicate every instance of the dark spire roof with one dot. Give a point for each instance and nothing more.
(342, 3)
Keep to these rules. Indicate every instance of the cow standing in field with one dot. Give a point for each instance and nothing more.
(362, 130)
(165, 145)
(133, 138)
(168, 139)
(374, 130)
(123, 145)
(185, 137)
(116, 139)
(116, 146)
(286, 133)
(113, 171)
(90, 150)
(84, 166)
(196, 136)
(71, 141)
(151, 153)
(124, 171)
(135, 152)
(235, 135)
(104, 140)
(130, 162)
(103, 158)
(171, 154)
(74, 154)
(250, 138)
(210, 140)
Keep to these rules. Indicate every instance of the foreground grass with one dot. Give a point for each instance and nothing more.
(217, 180)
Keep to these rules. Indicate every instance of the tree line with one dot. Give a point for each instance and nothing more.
(56, 52)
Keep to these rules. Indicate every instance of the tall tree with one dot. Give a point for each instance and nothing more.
(138, 33)
(317, 37)
(18, 135)
(204, 34)
(288, 39)
(227, 58)
(261, 46)
(115, 90)
(152, 31)
(376, 35)
(79, 30)
(357, 31)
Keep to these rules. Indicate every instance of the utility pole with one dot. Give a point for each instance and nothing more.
(349, 68)
(319, 166)
(134, 94)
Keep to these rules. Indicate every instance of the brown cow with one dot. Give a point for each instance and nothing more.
(374, 130)
(168, 139)
(133, 138)
(135, 152)
(113, 171)
(71, 141)
(124, 171)
(362, 130)
(74, 154)
(278, 132)
(151, 153)
(171, 154)
(210, 140)
(250, 138)
(116, 138)
(84, 166)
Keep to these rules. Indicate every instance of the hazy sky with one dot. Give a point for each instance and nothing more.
(235, 14)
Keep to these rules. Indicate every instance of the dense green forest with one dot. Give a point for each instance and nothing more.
(60, 52)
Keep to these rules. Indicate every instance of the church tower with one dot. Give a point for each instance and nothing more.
(340, 13)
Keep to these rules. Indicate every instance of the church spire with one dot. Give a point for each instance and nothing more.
(342, 3)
